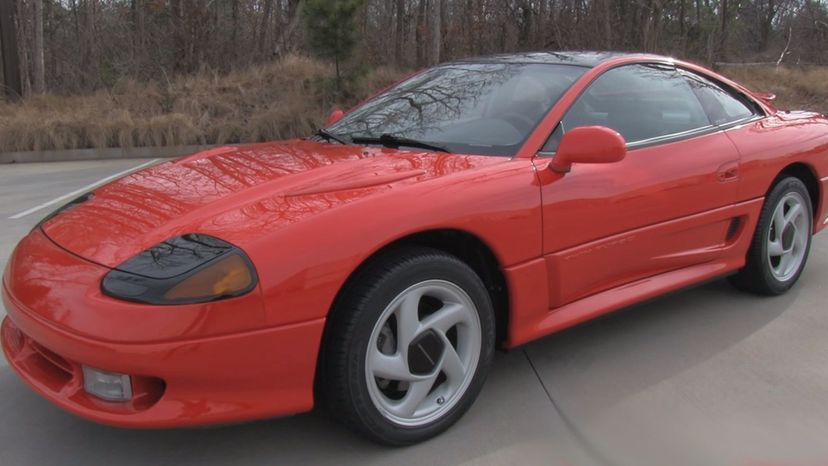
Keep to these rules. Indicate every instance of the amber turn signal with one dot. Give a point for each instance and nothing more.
(227, 276)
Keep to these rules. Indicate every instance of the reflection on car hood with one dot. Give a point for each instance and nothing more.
(227, 191)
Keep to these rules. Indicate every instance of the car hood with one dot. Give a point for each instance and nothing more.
(231, 191)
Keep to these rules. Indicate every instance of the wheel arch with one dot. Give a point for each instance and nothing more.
(467, 247)
(807, 175)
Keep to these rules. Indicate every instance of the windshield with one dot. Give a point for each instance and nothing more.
(475, 108)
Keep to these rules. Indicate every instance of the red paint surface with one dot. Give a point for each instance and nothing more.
(571, 246)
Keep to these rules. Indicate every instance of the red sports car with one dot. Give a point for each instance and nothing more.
(377, 265)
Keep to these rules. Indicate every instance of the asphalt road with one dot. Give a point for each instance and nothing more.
(706, 376)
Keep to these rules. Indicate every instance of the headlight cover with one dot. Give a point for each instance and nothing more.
(186, 269)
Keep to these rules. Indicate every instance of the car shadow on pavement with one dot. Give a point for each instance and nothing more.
(669, 381)
(641, 346)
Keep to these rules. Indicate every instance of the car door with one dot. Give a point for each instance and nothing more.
(662, 208)
(751, 130)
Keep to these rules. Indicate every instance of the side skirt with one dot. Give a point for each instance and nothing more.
(530, 313)
(620, 297)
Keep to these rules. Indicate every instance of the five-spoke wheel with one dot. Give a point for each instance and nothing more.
(781, 241)
(788, 236)
(408, 345)
(421, 351)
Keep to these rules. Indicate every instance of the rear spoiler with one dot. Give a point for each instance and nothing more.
(766, 97)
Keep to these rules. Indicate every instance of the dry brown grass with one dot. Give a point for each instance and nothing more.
(795, 88)
(281, 100)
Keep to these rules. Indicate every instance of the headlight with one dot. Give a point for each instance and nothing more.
(186, 269)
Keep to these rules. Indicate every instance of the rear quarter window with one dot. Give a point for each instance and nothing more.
(721, 106)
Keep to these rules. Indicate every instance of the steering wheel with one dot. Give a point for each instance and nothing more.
(518, 121)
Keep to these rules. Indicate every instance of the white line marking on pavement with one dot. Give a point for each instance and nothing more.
(82, 190)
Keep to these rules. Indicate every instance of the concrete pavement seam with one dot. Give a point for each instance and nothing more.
(589, 447)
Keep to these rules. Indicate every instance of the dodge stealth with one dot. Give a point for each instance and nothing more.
(376, 266)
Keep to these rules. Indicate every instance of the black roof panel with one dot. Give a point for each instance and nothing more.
(578, 58)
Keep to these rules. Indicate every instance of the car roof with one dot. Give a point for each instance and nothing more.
(587, 59)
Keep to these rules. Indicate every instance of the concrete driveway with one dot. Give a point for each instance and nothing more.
(706, 376)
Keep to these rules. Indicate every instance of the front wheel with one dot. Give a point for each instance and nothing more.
(781, 242)
(408, 346)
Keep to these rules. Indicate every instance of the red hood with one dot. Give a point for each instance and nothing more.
(228, 189)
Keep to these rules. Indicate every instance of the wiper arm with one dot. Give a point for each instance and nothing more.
(389, 140)
(323, 133)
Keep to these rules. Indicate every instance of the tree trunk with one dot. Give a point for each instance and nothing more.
(265, 29)
(234, 25)
(400, 33)
(138, 40)
(767, 25)
(182, 43)
(608, 23)
(422, 33)
(23, 49)
(540, 40)
(49, 27)
(436, 32)
(38, 59)
(723, 31)
(12, 84)
(289, 32)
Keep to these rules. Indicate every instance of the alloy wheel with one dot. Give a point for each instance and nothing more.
(423, 352)
(788, 236)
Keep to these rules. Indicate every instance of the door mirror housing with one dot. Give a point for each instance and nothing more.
(335, 116)
(588, 144)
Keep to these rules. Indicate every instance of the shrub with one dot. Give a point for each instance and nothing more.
(795, 88)
(281, 100)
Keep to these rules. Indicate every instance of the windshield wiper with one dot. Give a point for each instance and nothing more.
(394, 142)
(323, 133)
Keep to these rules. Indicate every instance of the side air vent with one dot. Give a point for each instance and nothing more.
(733, 229)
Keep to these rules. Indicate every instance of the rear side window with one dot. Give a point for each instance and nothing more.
(721, 106)
(642, 102)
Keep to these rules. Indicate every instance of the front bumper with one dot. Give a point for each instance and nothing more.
(225, 379)
(192, 380)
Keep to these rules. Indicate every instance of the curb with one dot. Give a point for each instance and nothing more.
(73, 155)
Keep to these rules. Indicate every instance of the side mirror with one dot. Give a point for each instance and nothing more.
(588, 144)
(335, 116)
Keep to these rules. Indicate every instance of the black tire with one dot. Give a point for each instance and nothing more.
(343, 381)
(757, 276)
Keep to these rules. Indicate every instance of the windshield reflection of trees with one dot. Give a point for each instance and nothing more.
(429, 101)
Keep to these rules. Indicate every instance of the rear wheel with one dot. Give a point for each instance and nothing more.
(408, 346)
(781, 242)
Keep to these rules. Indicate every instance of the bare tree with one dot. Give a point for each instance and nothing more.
(82, 45)
(13, 87)
(23, 34)
(38, 60)
(399, 38)
(435, 24)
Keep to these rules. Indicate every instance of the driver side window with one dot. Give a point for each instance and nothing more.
(642, 102)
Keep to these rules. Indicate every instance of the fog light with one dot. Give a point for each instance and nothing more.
(13, 337)
(107, 386)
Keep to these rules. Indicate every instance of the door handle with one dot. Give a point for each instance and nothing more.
(728, 172)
